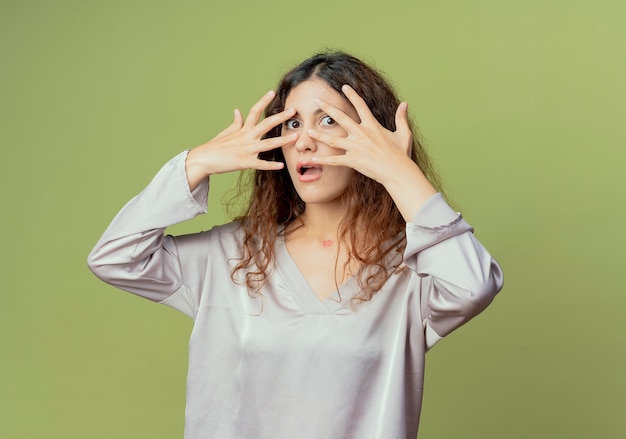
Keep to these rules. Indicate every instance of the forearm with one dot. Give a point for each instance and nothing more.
(132, 253)
(409, 188)
(195, 169)
(459, 276)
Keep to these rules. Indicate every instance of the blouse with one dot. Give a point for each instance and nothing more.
(287, 364)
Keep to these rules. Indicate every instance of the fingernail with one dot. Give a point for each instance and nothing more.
(271, 92)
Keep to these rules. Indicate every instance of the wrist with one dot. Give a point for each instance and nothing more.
(409, 188)
(194, 169)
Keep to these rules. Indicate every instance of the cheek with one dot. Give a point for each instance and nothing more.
(285, 153)
(335, 151)
(343, 174)
(336, 132)
(340, 132)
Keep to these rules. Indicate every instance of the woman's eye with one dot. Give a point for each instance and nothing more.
(327, 120)
(292, 124)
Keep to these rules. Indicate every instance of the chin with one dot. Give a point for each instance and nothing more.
(320, 198)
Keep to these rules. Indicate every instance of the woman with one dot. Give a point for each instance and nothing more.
(313, 311)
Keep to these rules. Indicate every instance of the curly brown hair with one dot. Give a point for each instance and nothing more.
(274, 203)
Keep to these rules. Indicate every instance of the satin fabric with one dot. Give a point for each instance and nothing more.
(287, 364)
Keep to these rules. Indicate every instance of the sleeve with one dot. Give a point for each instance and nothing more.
(133, 254)
(459, 278)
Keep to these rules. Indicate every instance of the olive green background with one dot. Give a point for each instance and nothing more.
(522, 105)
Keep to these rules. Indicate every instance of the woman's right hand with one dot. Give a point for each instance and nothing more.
(238, 146)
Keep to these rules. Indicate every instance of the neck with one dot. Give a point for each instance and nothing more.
(320, 222)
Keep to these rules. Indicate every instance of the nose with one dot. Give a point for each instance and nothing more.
(305, 142)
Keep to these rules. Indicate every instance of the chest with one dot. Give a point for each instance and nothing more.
(323, 265)
(288, 322)
(290, 329)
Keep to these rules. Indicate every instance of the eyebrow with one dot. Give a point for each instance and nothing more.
(315, 113)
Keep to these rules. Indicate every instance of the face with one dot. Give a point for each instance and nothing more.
(315, 184)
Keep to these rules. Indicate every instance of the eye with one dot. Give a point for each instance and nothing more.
(292, 124)
(327, 120)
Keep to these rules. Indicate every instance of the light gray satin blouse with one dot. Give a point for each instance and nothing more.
(299, 367)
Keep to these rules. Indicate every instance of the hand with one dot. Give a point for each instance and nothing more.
(370, 148)
(238, 146)
(378, 153)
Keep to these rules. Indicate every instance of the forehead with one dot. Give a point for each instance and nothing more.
(302, 97)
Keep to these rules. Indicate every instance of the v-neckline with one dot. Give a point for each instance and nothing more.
(301, 290)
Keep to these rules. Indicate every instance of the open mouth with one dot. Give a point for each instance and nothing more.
(304, 168)
(308, 172)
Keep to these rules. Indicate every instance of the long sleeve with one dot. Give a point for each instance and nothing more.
(459, 278)
(133, 253)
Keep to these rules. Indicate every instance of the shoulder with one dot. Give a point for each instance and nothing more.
(228, 229)
(224, 237)
(229, 234)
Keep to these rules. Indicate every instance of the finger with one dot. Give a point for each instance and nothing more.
(257, 109)
(402, 126)
(237, 121)
(332, 141)
(276, 142)
(358, 103)
(266, 165)
(340, 117)
(270, 122)
(233, 127)
(402, 118)
(333, 160)
(238, 118)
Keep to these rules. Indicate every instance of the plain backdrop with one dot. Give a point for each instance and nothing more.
(521, 104)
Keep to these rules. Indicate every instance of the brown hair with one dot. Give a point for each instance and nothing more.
(274, 202)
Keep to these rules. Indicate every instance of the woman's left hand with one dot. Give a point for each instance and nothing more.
(370, 148)
(377, 152)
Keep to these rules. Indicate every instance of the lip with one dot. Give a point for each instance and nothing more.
(309, 176)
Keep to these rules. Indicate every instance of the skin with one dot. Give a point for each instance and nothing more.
(378, 153)
(354, 142)
(238, 146)
(312, 240)
(324, 193)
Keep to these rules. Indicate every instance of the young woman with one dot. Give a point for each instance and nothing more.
(313, 311)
